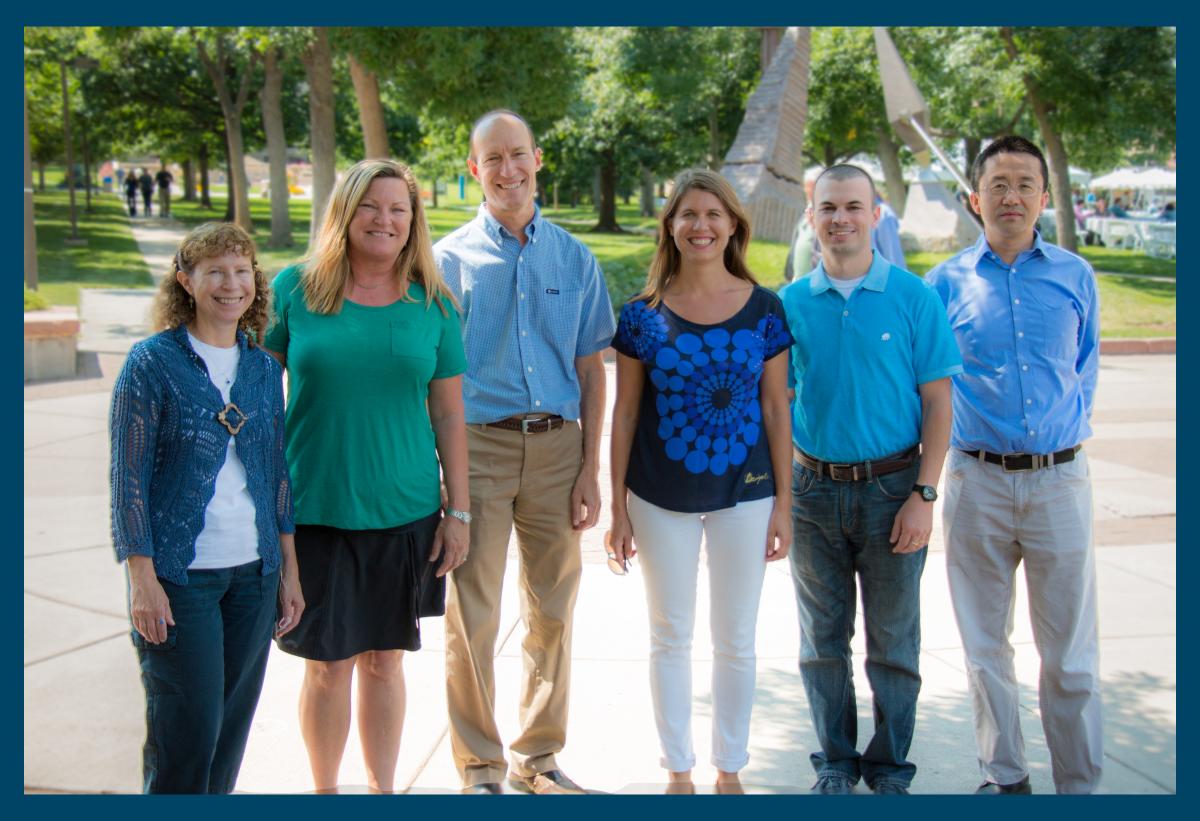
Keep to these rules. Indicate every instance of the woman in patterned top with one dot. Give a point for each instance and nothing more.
(202, 511)
(700, 429)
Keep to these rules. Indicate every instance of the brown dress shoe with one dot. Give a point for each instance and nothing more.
(551, 782)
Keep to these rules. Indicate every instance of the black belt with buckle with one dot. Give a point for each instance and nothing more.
(528, 425)
(1020, 462)
(860, 470)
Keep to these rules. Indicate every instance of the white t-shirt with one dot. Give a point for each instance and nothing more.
(845, 287)
(229, 537)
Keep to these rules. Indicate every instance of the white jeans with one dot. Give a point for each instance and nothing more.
(735, 540)
(1043, 519)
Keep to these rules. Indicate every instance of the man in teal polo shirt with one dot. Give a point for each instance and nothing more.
(872, 361)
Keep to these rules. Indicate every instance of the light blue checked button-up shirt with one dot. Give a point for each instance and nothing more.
(528, 313)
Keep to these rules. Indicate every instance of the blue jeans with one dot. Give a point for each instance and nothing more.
(202, 683)
(841, 532)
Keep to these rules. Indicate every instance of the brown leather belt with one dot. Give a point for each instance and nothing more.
(1020, 462)
(861, 470)
(527, 425)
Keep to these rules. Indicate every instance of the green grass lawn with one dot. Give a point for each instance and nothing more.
(109, 260)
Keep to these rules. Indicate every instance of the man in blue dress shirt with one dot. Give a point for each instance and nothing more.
(872, 358)
(1027, 319)
(536, 317)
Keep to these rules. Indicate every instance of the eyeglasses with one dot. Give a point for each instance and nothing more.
(1000, 190)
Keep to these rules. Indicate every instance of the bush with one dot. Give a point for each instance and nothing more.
(35, 301)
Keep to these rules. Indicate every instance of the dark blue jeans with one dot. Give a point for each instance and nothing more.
(202, 683)
(841, 536)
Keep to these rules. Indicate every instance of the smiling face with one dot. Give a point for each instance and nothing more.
(222, 287)
(381, 222)
(842, 215)
(701, 227)
(1010, 198)
(506, 163)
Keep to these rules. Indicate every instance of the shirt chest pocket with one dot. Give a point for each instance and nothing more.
(1055, 326)
(559, 308)
(413, 339)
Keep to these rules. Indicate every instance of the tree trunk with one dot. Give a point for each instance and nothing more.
(41, 177)
(714, 140)
(608, 196)
(556, 195)
(318, 67)
(230, 212)
(971, 147)
(272, 112)
(218, 67)
(596, 195)
(1060, 177)
(189, 181)
(433, 192)
(370, 113)
(647, 198)
(205, 184)
(889, 158)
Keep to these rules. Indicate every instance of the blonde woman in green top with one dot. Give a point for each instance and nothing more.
(370, 337)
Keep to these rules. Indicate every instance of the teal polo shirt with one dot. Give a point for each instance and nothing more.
(856, 363)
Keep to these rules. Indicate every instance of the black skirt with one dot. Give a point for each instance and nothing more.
(365, 589)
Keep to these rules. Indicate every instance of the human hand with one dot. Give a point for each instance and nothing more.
(914, 523)
(585, 501)
(779, 533)
(149, 607)
(618, 540)
(291, 602)
(452, 543)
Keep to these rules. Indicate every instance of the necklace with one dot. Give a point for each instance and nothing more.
(358, 284)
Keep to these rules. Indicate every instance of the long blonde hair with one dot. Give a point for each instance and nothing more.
(327, 267)
(665, 265)
(174, 306)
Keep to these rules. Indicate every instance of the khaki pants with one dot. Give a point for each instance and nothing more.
(521, 481)
(995, 521)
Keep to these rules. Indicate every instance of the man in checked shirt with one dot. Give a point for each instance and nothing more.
(1027, 320)
(536, 317)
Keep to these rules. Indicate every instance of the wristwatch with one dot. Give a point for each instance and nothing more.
(928, 492)
(462, 515)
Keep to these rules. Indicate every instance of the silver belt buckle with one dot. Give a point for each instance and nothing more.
(1034, 462)
(525, 423)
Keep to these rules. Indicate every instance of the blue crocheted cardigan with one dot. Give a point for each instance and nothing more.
(167, 448)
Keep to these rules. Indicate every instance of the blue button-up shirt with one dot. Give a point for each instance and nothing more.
(858, 363)
(1030, 338)
(528, 312)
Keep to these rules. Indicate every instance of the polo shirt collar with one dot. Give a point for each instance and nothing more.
(497, 231)
(876, 277)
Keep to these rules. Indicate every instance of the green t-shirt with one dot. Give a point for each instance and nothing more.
(360, 446)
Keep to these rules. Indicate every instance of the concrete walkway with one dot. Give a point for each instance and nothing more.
(84, 709)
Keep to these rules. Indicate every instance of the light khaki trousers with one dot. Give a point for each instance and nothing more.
(995, 521)
(521, 481)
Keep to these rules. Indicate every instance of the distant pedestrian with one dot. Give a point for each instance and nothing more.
(163, 180)
(146, 182)
(204, 525)
(131, 193)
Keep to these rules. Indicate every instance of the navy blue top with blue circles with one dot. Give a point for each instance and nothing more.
(700, 443)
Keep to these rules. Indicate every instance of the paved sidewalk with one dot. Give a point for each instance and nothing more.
(84, 710)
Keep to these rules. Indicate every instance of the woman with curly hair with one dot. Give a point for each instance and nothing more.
(370, 337)
(202, 511)
(700, 431)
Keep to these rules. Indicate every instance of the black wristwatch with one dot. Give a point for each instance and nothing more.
(928, 492)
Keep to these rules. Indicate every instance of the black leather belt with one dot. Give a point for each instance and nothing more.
(527, 425)
(1018, 462)
(860, 470)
